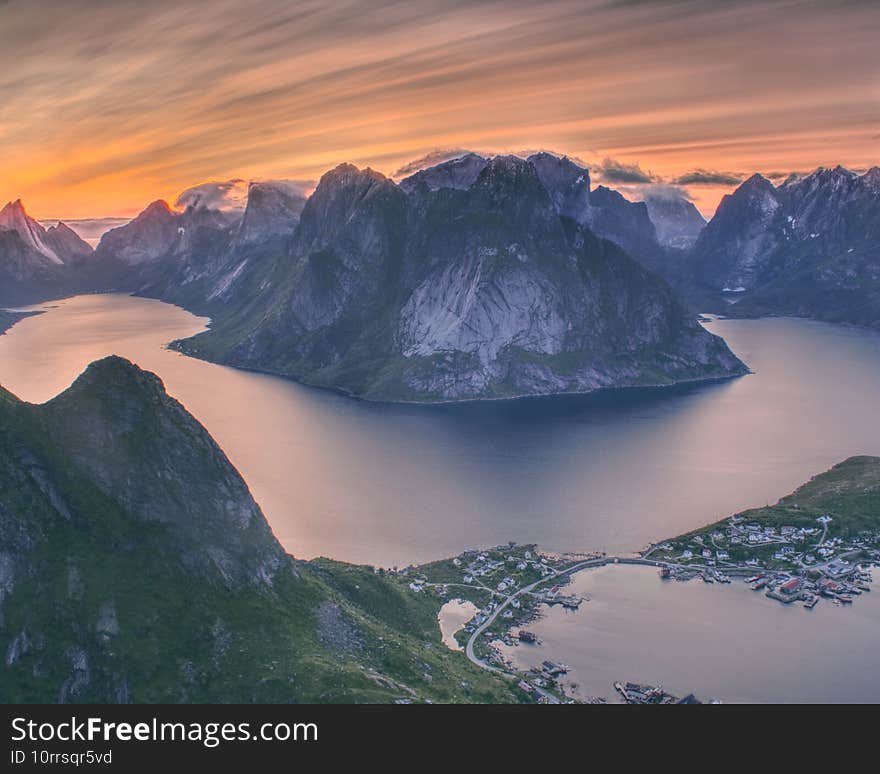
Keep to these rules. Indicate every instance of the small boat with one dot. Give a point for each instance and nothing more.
(845, 598)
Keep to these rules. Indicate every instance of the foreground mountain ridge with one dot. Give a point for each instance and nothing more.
(136, 567)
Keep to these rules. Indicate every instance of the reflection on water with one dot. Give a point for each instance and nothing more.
(716, 641)
(452, 617)
(395, 484)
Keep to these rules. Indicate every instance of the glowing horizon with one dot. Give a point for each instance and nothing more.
(105, 107)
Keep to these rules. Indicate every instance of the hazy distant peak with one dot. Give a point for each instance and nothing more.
(755, 182)
(13, 217)
(872, 178)
(160, 206)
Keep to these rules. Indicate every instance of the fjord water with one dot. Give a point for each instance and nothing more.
(717, 641)
(394, 484)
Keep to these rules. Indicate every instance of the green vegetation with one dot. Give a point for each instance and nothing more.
(845, 499)
(134, 566)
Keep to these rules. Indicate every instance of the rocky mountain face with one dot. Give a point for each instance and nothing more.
(271, 211)
(136, 566)
(676, 220)
(66, 243)
(200, 257)
(809, 247)
(444, 292)
(160, 232)
(607, 213)
(35, 262)
(625, 223)
(32, 235)
(458, 173)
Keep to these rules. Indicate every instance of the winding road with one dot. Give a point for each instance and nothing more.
(469, 649)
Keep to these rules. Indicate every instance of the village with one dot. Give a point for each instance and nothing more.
(801, 563)
(508, 584)
(789, 563)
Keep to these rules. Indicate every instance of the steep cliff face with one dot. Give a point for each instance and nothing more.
(14, 218)
(38, 263)
(676, 220)
(810, 247)
(447, 293)
(217, 260)
(65, 242)
(136, 567)
(732, 252)
(458, 173)
(272, 210)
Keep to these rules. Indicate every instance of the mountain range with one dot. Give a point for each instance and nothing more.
(477, 277)
(36, 262)
(809, 248)
(136, 567)
(470, 280)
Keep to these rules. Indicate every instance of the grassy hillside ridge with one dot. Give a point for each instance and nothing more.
(121, 580)
(849, 493)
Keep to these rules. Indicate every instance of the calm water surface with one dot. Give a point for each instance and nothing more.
(726, 642)
(452, 617)
(394, 484)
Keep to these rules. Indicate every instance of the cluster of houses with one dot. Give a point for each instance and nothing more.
(485, 564)
(795, 547)
(789, 562)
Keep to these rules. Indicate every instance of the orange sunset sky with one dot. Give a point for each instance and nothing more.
(105, 106)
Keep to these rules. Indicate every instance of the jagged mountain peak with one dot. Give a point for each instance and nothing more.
(871, 178)
(458, 173)
(345, 173)
(60, 227)
(346, 180)
(14, 217)
(16, 207)
(272, 210)
(676, 220)
(66, 243)
(158, 207)
(508, 170)
(151, 235)
(756, 182)
(567, 182)
(117, 418)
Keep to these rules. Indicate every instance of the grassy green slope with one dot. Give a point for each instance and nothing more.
(99, 604)
(849, 493)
